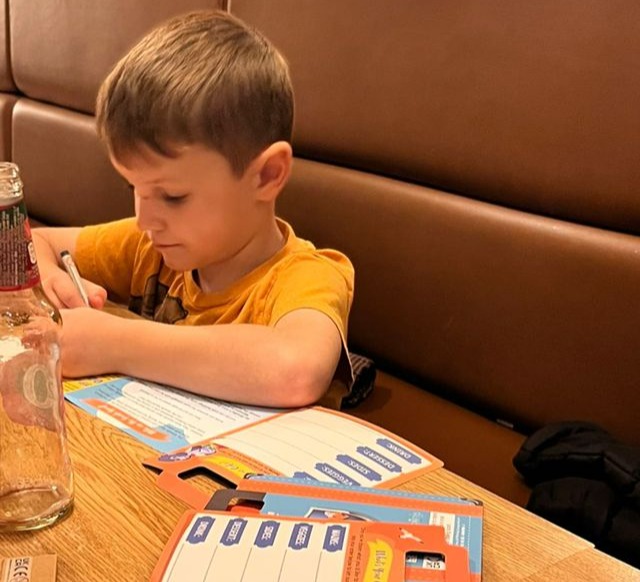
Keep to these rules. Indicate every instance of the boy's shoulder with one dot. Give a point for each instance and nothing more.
(301, 254)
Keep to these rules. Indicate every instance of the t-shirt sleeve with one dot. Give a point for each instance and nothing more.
(105, 254)
(322, 281)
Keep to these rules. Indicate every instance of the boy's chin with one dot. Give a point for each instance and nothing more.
(175, 264)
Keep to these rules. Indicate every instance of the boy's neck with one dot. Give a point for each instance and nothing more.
(258, 250)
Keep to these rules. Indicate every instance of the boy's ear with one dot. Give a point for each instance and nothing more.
(272, 170)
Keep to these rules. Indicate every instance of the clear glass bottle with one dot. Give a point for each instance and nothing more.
(36, 479)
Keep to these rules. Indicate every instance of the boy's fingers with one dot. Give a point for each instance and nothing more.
(58, 290)
(49, 288)
(63, 293)
(51, 294)
(97, 295)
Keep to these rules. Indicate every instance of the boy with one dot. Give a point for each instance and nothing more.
(198, 118)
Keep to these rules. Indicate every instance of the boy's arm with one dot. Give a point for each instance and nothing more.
(288, 365)
(57, 284)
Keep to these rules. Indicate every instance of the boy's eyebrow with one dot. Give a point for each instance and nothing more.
(158, 180)
(150, 182)
(153, 183)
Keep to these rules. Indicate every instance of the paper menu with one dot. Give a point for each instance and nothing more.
(162, 417)
(311, 443)
(219, 546)
(461, 519)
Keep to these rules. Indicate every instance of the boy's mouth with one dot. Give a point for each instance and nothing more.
(162, 246)
(165, 249)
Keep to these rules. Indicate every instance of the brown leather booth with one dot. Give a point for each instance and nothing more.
(478, 161)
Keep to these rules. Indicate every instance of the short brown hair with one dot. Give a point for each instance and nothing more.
(203, 77)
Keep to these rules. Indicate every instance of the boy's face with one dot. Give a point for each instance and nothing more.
(197, 213)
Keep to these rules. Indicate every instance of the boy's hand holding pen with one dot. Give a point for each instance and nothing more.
(91, 295)
(70, 266)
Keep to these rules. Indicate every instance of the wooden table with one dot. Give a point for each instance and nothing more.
(122, 520)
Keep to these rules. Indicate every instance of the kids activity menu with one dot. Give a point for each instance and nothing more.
(233, 441)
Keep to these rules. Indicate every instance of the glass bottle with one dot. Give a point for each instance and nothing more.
(36, 480)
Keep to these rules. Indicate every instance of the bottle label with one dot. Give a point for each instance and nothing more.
(17, 251)
(29, 390)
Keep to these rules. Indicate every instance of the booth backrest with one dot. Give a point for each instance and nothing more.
(478, 161)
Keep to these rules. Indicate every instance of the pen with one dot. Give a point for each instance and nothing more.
(70, 267)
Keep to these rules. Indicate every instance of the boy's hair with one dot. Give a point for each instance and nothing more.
(203, 77)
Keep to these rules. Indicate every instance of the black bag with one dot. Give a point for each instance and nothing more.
(586, 481)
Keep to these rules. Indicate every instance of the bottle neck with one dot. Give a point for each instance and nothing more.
(17, 253)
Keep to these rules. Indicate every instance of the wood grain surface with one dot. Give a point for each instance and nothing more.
(122, 520)
(587, 566)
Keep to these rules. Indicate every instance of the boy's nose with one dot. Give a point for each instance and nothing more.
(147, 217)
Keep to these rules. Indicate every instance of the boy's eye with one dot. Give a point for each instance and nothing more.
(174, 198)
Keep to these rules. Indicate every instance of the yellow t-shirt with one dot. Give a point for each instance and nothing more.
(121, 258)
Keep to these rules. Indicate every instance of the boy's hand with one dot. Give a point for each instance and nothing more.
(85, 348)
(63, 294)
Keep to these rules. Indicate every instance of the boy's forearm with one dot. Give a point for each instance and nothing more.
(253, 364)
